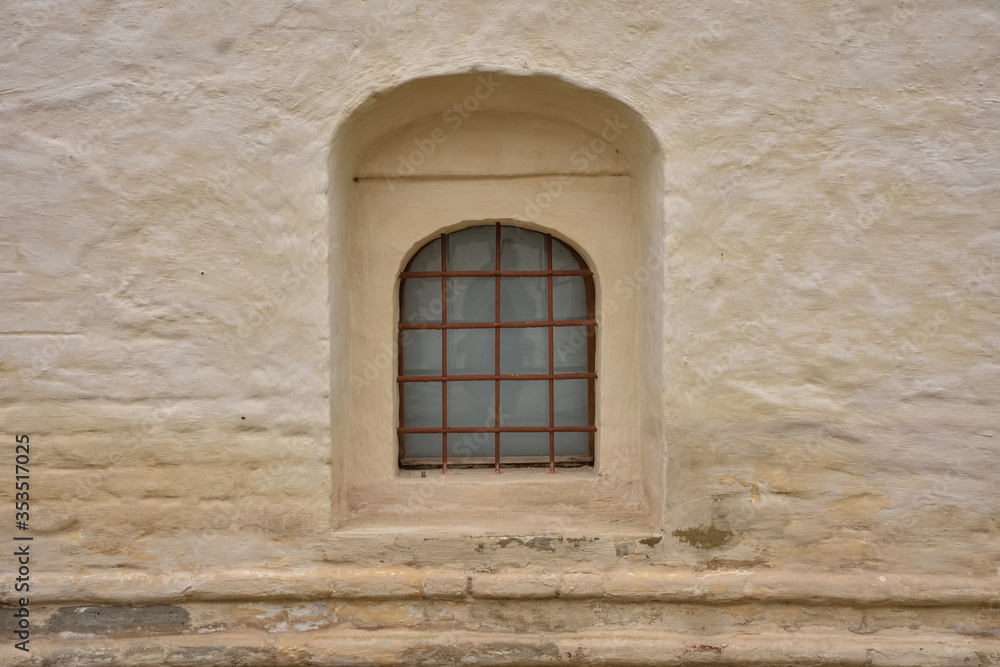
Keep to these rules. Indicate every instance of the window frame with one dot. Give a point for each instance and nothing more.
(550, 324)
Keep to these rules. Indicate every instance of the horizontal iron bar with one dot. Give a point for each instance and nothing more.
(488, 461)
(475, 378)
(496, 429)
(497, 325)
(491, 274)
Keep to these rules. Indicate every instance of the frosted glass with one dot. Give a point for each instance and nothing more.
(422, 300)
(569, 298)
(422, 445)
(422, 404)
(471, 352)
(421, 352)
(562, 258)
(570, 349)
(522, 250)
(537, 444)
(470, 403)
(524, 444)
(427, 258)
(470, 444)
(524, 350)
(471, 300)
(472, 249)
(571, 401)
(573, 444)
(524, 403)
(524, 299)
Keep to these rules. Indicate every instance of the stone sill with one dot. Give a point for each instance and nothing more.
(609, 647)
(445, 524)
(478, 502)
(393, 583)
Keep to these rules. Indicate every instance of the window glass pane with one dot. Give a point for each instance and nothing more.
(471, 300)
(472, 249)
(573, 444)
(470, 444)
(422, 445)
(427, 258)
(569, 298)
(422, 404)
(562, 258)
(524, 444)
(471, 352)
(522, 250)
(524, 403)
(524, 299)
(421, 352)
(570, 349)
(524, 350)
(571, 401)
(422, 300)
(470, 403)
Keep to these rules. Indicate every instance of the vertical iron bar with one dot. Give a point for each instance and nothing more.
(588, 283)
(444, 354)
(399, 373)
(552, 382)
(496, 345)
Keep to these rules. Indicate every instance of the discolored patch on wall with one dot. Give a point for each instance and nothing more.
(704, 537)
(539, 543)
(148, 619)
(510, 652)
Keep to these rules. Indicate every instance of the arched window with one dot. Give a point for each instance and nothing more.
(496, 352)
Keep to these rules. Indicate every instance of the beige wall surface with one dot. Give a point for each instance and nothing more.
(802, 246)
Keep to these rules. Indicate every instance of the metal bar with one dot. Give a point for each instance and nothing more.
(484, 461)
(591, 358)
(400, 334)
(505, 376)
(497, 325)
(496, 345)
(552, 366)
(497, 429)
(498, 273)
(497, 377)
(444, 354)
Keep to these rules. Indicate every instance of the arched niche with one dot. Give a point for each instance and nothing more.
(440, 153)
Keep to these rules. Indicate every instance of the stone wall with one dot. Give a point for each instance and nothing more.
(820, 431)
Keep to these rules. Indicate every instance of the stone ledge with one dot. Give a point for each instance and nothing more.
(619, 647)
(410, 583)
(515, 586)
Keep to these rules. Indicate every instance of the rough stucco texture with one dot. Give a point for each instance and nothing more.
(831, 292)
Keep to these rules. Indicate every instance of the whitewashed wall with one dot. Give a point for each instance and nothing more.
(831, 349)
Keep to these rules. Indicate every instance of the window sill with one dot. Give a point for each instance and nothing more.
(572, 502)
(480, 524)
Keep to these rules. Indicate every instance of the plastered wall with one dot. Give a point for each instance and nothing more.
(819, 420)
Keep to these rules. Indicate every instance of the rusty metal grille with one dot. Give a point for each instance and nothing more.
(511, 362)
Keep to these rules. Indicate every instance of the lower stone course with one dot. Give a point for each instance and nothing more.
(612, 647)
(368, 616)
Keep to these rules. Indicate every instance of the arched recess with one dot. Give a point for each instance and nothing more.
(441, 153)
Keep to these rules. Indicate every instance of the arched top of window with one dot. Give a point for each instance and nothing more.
(496, 352)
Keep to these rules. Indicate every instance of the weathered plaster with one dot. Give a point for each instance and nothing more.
(809, 475)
